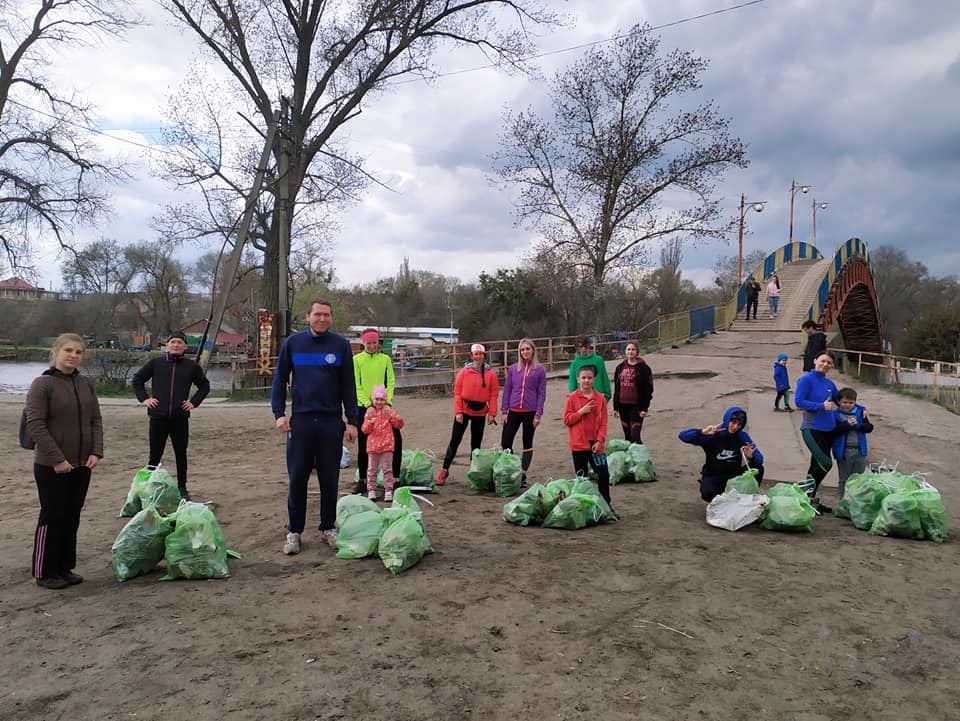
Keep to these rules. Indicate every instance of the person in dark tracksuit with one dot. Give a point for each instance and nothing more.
(63, 419)
(725, 446)
(169, 402)
(816, 396)
(323, 390)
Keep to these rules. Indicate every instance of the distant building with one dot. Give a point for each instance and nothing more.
(408, 336)
(228, 341)
(19, 289)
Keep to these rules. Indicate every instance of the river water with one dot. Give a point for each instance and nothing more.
(16, 377)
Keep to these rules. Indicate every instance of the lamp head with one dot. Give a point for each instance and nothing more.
(758, 207)
(804, 188)
(823, 206)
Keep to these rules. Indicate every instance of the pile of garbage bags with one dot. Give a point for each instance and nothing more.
(785, 507)
(561, 503)
(188, 538)
(497, 472)
(629, 462)
(890, 503)
(396, 533)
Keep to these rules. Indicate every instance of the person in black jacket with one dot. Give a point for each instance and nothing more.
(753, 297)
(169, 402)
(816, 344)
(632, 392)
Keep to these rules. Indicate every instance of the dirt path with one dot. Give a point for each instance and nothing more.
(655, 617)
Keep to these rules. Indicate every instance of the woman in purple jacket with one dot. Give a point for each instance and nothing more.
(524, 393)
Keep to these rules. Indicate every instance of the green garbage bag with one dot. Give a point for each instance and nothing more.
(139, 546)
(577, 511)
(196, 548)
(617, 465)
(416, 469)
(359, 535)
(507, 472)
(899, 516)
(746, 483)
(640, 464)
(789, 510)
(480, 474)
(617, 445)
(403, 499)
(527, 508)
(349, 505)
(864, 494)
(933, 516)
(151, 486)
(403, 543)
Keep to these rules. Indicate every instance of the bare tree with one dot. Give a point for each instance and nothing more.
(324, 58)
(50, 179)
(618, 166)
(159, 281)
(99, 277)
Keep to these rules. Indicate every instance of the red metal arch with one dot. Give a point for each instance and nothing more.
(852, 305)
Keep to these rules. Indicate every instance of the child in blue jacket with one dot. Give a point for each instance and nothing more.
(726, 446)
(782, 381)
(850, 440)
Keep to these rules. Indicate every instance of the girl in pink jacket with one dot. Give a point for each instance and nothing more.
(378, 424)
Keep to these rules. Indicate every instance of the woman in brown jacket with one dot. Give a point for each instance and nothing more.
(63, 418)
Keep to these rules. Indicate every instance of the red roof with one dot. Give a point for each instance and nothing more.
(17, 284)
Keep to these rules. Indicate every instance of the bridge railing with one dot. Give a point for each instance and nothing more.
(937, 380)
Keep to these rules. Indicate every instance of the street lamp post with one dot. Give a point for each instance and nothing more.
(823, 206)
(793, 191)
(757, 207)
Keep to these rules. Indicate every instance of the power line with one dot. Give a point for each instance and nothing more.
(451, 73)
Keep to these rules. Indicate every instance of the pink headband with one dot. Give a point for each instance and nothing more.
(369, 336)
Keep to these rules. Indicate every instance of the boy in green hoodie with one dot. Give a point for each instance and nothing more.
(586, 357)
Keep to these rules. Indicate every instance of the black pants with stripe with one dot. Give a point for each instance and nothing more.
(61, 500)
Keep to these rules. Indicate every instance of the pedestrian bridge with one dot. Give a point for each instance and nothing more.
(837, 292)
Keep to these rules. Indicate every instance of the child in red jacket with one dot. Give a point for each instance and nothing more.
(378, 424)
(585, 416)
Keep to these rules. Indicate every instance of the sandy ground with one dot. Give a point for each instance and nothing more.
(656, 617)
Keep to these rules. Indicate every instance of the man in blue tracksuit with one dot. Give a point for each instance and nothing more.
(816, 396)
(323, 391)
(726, 446)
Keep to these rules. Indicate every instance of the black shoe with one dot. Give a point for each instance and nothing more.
(789, 409)
(54, 583)
(72, 578)
(358, 489)
(819, 507)
(523, 481)
(776, 409)
(183, 493)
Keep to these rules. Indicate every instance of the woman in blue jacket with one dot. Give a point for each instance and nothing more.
(816, 396)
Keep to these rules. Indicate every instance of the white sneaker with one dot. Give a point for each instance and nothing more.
(372, 495)
(329, 537)
(292, 546)
(388, 496)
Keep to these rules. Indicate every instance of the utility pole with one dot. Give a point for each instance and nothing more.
(283, 215)
(233, 263)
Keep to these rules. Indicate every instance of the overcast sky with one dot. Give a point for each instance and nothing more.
(860, 99)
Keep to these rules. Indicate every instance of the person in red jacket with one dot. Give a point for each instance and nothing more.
(585, 416)
(474, 398)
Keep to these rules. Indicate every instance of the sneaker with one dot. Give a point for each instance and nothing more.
(523, 481)
(183, 493)
(329, 537)
(616, 516)
(372, 495)
(388, 496)
(358, 489)
(776, 409)
(292, 546)
(819, 507)
(789, 409)
(72, 578)
(54, 583)
(442, 476)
